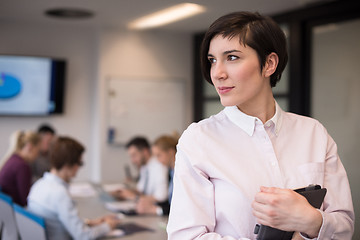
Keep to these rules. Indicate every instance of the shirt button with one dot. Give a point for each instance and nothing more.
(273, 164)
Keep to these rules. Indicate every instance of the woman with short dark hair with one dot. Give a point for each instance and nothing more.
(50, 199)
(238, 168)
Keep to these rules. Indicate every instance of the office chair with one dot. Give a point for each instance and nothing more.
(7, 218)
(31, 226)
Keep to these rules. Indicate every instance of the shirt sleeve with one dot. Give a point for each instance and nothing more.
(192, 212)
(140, 185)
(69, 217)
(23, 182)
(338, 213)
(161, 183)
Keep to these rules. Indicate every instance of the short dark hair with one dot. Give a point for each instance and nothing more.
(65, 151)
(259, 32)
(139, 142)
(45, 128)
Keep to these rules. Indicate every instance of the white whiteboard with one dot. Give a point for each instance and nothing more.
(145, 107)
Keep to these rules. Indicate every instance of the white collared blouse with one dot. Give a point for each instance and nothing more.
(222, 161)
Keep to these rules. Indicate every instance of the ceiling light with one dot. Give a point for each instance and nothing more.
(167, 16)
(69, 13)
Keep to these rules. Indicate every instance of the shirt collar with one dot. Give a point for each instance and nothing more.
(276, 119)
(50, 176)
(247, 122)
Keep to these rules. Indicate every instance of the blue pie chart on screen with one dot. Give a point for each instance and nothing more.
(10, 86)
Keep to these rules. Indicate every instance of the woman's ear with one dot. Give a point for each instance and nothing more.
(271, 63)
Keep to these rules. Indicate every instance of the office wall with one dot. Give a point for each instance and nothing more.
(93, 55)
(77, 46)
(335, 94)
(140, 55)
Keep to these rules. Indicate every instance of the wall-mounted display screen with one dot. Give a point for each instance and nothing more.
(31, 85)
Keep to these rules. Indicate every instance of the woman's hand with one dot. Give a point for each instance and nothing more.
(146, 205)
(297, 236)
(124, 194)
(286, 210)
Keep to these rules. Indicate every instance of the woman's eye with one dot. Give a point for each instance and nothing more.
(212, 60)
(232, 57)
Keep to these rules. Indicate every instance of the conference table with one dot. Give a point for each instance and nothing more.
(153, 227)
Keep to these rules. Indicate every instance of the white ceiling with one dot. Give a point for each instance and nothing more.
(117, 13)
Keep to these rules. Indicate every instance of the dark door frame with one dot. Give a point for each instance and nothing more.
(300, 23)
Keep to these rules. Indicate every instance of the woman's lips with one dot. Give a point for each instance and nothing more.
(223, 90)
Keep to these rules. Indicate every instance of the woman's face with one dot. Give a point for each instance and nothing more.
(235, 72)
(32, 152)
(162, 156)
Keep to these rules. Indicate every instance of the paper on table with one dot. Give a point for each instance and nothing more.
(113, 187)
(115, 233)
(82, 190)
(120, 206)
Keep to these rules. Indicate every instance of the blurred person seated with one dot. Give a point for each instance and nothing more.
(12, 146)
(164, 149)
(50, 199)
(153, 180)
(15, 175)
(42, 162)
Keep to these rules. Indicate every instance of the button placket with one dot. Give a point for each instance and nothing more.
(270, 154)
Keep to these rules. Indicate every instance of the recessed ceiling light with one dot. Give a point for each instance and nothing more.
(70, 13)
(166, 16)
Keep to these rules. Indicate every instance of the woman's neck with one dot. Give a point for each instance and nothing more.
(262, 108)
(23, 155)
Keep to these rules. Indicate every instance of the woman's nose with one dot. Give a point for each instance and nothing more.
(218, 71)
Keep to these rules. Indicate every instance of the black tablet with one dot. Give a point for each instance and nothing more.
(315, 196)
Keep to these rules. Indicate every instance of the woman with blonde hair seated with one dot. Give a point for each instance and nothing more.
(15, 175)
(164, 149)
(12, 146)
